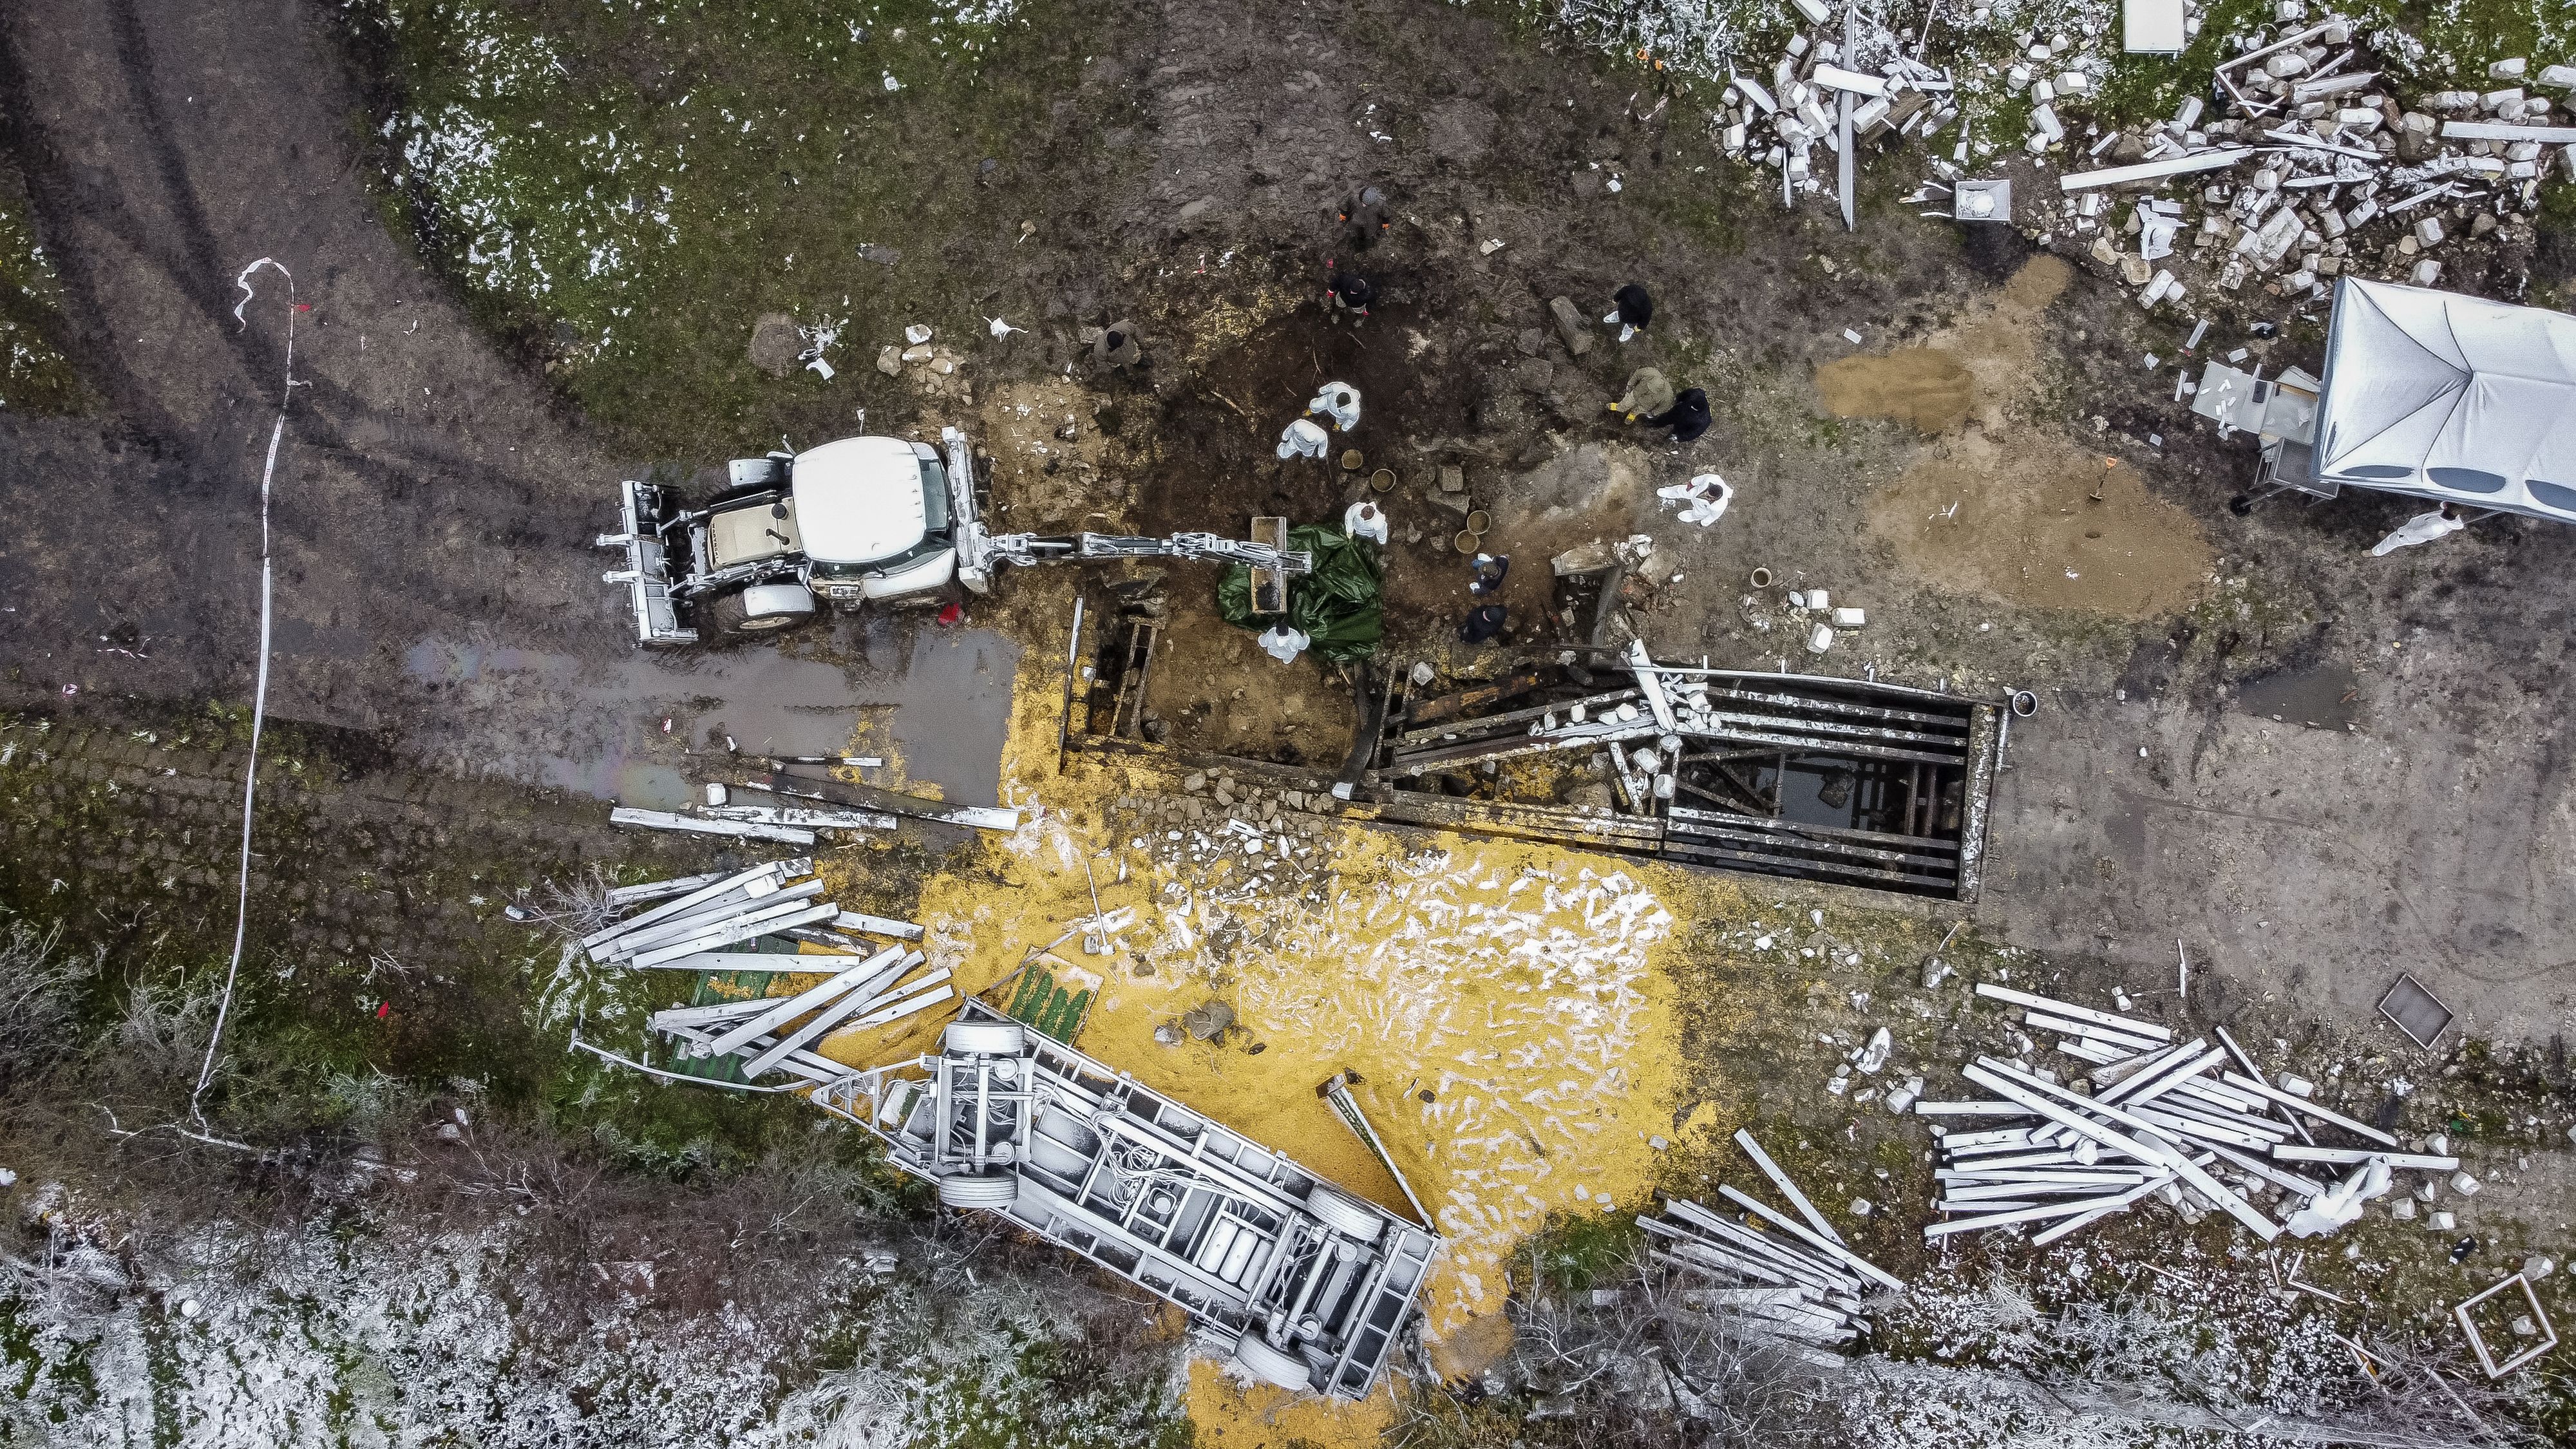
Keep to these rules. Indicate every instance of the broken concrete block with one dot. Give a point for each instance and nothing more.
(1820, 639)
(2558, 77)
(2465, 1185)
(1874, 1055)
(2508, 70)
(2428, 232)
(2426, 273)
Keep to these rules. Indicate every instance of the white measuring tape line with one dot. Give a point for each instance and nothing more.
(259, 693)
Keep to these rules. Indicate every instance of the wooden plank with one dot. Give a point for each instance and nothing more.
(723, 912)
(736, 881)
(1801, 745)
(1972, 1109)
(817, 782)
(858, 998)
(2347, 1156)
(790, 1008)
(1799, 866)
(743, 930)
(1465, 701)
(1535, 822)
(2042, 1021)
(2041, 1213)
(2165, 169)
(694, 825)
(1642, 665)
(636, 895)
(1492, 723)
(1780, 1180)
(2078, 1013)
(1589, 734)
(892, 930)
(2297, 1103)
(2008, 1081)
(1827, 1246)
(2499, 131)
(2146, 1086)
(1917, 843)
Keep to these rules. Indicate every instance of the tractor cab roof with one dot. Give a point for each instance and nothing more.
(859, 499)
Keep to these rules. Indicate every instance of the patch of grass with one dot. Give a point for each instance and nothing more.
(1573, 1253)
(624, 189)
(35, 376)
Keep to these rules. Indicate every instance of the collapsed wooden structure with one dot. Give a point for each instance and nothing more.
(1843, 781)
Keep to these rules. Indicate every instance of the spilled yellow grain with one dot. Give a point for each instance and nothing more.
(1546, 1035)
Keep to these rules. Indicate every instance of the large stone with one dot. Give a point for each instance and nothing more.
(774, 344)
(1570, 325)
(1601, 483)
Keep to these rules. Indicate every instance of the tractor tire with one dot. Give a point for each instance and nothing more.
(984, 1038)
(754, 612)
(996, 1190)
(1344, 1214)
(1255, 1356)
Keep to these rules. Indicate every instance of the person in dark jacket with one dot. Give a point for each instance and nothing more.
(1687, 417)
(1365, 217)
(1348, 292)
(1632, 309)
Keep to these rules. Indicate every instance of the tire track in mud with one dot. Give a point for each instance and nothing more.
(395, 528)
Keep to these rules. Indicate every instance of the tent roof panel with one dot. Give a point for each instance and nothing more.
(2419, 380)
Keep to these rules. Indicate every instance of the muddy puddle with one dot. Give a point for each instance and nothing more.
(641, 730)
(2320, 697)
(2042, 522)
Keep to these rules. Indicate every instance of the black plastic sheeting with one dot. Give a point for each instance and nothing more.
(1336, 605)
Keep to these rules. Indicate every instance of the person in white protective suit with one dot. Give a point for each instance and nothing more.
(2422, 528)
(1302, 439)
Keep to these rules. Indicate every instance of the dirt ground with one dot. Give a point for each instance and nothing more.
(2311, 766)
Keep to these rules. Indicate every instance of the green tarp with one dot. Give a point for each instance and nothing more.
(1336, 605)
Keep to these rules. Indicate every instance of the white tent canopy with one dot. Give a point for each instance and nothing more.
(2451, 398)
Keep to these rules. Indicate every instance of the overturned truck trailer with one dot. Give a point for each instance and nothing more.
(1844, 781)
(1304, 1285)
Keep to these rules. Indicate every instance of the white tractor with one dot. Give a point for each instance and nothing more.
(850, 521)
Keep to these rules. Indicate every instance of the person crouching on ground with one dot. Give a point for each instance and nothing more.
(1648, 394)
(1687, 417)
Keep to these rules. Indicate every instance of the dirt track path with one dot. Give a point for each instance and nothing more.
(436, 588)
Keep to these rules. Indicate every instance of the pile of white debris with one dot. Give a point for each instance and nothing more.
(1841, 82)
(2313, 169)
(1792, 1279)
(702, 924)
(2194, 1125)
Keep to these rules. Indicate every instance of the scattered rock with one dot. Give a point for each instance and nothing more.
(1208, 1022)
(774, 344)
(1569, 328)
(890, 361)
